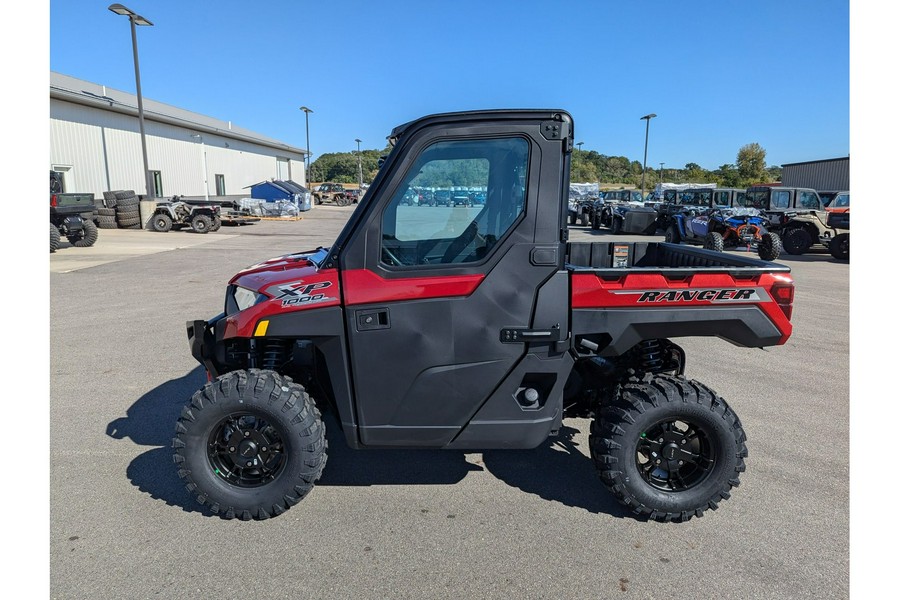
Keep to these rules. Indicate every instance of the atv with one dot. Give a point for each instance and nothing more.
(718, 229)
(176, 214)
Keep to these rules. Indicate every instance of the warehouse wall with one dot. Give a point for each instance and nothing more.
(102, 150)
(819, 175)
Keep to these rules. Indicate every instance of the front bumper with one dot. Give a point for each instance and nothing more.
(202, 342)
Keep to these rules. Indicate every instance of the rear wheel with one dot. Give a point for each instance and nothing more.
(201, 223)
(769, 247)
(87, 237)
(250, 444)
(672, 235)
(162, 222)
(797, 241)
(840, 246)
(668, 448)
(216, 224)
(616, 226)
(54, 238)
(714, 241)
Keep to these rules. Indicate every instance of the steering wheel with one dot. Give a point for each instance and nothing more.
(469, 235)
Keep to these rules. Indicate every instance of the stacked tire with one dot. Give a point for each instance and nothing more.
(128, 210)
(106, 218)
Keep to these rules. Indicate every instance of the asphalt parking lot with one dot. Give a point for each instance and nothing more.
(419, 524)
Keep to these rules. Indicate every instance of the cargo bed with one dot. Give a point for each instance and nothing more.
(611, 258)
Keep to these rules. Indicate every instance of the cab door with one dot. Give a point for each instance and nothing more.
(440, 300)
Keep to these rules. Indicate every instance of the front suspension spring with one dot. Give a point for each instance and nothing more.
(274, 354)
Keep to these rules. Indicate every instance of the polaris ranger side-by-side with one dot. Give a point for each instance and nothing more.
(475, 328)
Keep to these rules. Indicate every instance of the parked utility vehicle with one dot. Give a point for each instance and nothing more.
(177, 214)
(440, 329)
(71, 216)
(718, 229)
(796, 214)
(331, 192)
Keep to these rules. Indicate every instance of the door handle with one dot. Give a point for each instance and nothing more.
(378, 318)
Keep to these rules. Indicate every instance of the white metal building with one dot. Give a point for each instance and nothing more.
(95, 143)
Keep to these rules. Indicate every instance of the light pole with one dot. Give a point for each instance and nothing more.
(307, 111)
(203, 166)
(646, 138)
(579, 145)
(359, 163)
(137, 19)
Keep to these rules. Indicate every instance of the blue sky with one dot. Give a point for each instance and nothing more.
(718, 73)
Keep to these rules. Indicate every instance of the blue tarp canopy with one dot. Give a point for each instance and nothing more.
(277, 189)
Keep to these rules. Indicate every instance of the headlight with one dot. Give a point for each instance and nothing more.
(244, 298)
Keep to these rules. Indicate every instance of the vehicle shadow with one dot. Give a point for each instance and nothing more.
(348, 467)
(557, 471)
(150, 421)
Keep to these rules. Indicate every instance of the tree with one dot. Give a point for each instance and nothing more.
(727, 175)
(751, 164)
(342, 167)
(694, 172)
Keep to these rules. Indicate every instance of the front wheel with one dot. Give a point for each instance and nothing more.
(672, 235)
(216, 224)
(616, 227)
(250, 444)
(714, 241)
(769, 247)
(668, 448)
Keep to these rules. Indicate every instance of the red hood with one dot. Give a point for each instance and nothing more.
(282, 269)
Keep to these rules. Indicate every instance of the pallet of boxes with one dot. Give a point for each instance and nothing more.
(121, 210)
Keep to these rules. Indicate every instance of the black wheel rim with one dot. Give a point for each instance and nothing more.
(246, 450)
(675, 455)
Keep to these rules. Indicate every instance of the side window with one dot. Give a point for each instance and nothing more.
(842, 201)
(753, 200)
(456, 232)
(809, 200)
(721, 198)
(781, 199)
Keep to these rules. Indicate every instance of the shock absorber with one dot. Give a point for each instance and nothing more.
(650, 355)
(274, 353)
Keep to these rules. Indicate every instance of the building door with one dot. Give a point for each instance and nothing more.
(282, 168)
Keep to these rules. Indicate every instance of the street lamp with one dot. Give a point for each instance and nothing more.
(646, 138)
(307, 111)
(137, 19)
(359, 163)
(203, 166)
(579, 145)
